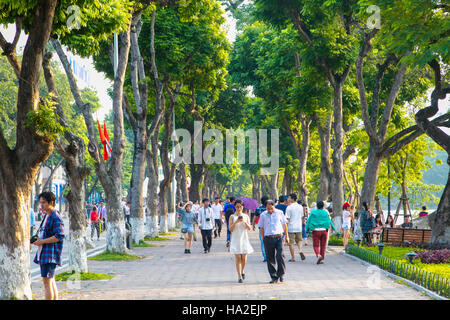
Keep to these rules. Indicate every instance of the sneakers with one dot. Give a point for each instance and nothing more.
(186, 251)
(302, 256)
(281, 279)
(320, 260)
(240, 281)
(243, 276)
(274, 280)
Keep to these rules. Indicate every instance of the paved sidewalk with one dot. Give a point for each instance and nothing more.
(168, 273)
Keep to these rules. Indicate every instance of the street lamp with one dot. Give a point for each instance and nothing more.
(411, 256)
(380, 248)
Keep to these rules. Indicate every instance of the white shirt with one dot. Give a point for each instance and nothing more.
(204, 214)
(294, 213)
(272, 223)
(195, 208)
(346, 218)
(217, 209)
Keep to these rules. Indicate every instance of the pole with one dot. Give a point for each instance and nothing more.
(116, 53)
(389, 192)
(173, 157)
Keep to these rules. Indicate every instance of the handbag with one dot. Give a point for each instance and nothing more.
(183, 230)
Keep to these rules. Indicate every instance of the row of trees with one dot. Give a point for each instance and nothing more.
(340, 91)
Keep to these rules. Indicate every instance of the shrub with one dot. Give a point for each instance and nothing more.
(434, 256)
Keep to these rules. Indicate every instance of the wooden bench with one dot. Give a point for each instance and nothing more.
(391, 235)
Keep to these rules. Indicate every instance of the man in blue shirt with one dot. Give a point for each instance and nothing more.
(255, 220)
(227, 216)
(282, 204)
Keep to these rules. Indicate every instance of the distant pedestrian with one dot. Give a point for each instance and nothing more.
(273, 229)
(218, 213)
(305, 218)
(103, 215)
(281, 205)
(32, 221)
(357, 232)
(407, 224)
(319, 222)
(50, 244)
(255, 221)
(424, 212)
(187, 217)
(347, 218)
(229, 209)
(195, 208)
(239, 244)
(367, 223)
(379, 225)
(128, 212)
(389, 222)
(95, 223)
(294, 215)
(206, 224)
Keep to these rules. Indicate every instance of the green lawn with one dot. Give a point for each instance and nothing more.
(398, 253)
(143, 244)
(108, 256)
(83, 276)
(158, 238)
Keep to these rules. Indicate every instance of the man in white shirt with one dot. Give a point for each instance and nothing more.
(217, 213)
(195, 208)
(206, 224)
(294, 215)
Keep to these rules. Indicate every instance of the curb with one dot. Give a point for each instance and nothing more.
(395, 277)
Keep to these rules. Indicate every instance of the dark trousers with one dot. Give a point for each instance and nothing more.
(218, 227)
(207, 239)
(274, 255)
(319, 240)
(367, 238)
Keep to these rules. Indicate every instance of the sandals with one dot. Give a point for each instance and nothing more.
(290, 260)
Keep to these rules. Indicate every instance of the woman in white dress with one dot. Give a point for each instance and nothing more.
(239, 225)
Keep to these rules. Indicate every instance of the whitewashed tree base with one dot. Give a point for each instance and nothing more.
(337, 222)
(77, 252)
(138, 229)
(115, 237)
(171, 223)
(15, 281)
(152, 226)
(163, 226)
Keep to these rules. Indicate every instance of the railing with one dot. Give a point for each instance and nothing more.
(429, 280)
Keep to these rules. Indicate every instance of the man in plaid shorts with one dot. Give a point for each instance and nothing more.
(50, 243)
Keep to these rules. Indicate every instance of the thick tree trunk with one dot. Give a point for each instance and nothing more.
(18, 167)
(371, 176)
(337, 156)
(183, 185)
(152, 190)
(137, 185)
(325, 165)
(301, 178)
(77, 171)
(196, 178)
(441, 222)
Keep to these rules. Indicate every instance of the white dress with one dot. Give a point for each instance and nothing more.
(239, 243)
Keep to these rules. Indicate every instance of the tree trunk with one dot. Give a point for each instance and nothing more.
(77, 171)
(18, 167)
(183, 185)
(441, 221)
(371, 176)
(325, 165)
(196, 177)
(152, 190)
(337, 156)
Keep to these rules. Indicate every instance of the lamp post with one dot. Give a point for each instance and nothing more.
(411, 256)
(380, 248)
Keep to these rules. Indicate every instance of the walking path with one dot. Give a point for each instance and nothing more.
(167, 273)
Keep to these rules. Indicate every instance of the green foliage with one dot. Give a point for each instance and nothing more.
(143, 244)
(45, 120)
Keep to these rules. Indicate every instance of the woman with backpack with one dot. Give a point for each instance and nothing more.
(367, 223)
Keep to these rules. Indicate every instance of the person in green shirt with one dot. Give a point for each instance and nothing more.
(318, 223)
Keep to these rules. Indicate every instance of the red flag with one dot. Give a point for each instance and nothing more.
(107, 146)
(102, 137)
